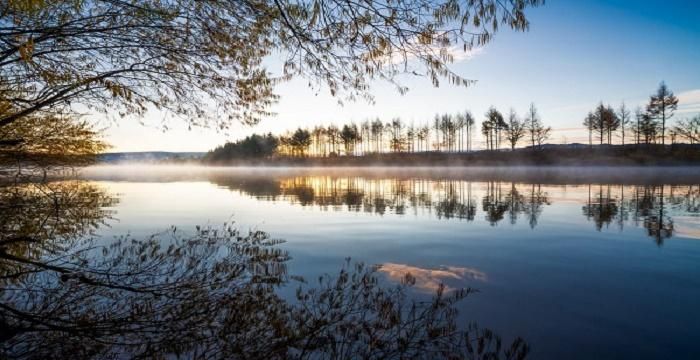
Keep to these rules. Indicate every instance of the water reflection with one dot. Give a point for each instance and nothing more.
(448, 199)
(649, 206)
(430, 280)
(567, 262)
(653, 207)
(66, 294)
(47, 218)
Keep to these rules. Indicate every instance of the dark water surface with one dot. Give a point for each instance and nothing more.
(583, 263)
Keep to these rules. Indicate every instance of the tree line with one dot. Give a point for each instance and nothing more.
(457, 133)
(452, 133)
(648, 125)
(446, 132)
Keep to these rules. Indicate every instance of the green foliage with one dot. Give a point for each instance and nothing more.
(350, 136)
(48, 142)
(298, 143)
(252, 147)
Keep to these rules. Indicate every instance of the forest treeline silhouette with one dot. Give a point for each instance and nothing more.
(455, 134)
(451, 133)
(647, 126)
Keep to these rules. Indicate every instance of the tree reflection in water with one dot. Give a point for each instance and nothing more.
(658, 224)
(455, 201)
(211, 294)
(647, 206)
(449, 199)
(601, 208)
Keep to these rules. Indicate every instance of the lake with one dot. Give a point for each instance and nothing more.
(581, 262)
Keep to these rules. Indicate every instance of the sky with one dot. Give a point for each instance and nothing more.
(576, 54)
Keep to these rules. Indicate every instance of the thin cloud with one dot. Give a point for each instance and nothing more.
(689, 102)
(687, 227)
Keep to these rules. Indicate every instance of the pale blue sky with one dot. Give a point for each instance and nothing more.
(576, 54)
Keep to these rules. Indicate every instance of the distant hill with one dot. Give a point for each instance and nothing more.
(149, 156)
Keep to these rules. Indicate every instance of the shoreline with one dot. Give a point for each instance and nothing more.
(550, 156)
(678, 155)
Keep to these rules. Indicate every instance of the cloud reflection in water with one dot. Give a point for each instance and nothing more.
(429, 280)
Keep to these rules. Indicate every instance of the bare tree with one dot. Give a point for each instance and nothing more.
(590, 123)
(604, 122)
(661, 106)
(624, 115)
(542, 135)
(534, 127)
(491, 127)
(611, 123)
(689, 129)
(377, 131)
(469, 123)
(515, 130)
(638, 116)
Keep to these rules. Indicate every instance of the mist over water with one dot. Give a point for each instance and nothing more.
(581, 262)
(548, 174)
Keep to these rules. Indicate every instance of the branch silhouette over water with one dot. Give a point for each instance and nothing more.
(211, 294)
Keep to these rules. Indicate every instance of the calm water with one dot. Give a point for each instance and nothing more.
(582, 263)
